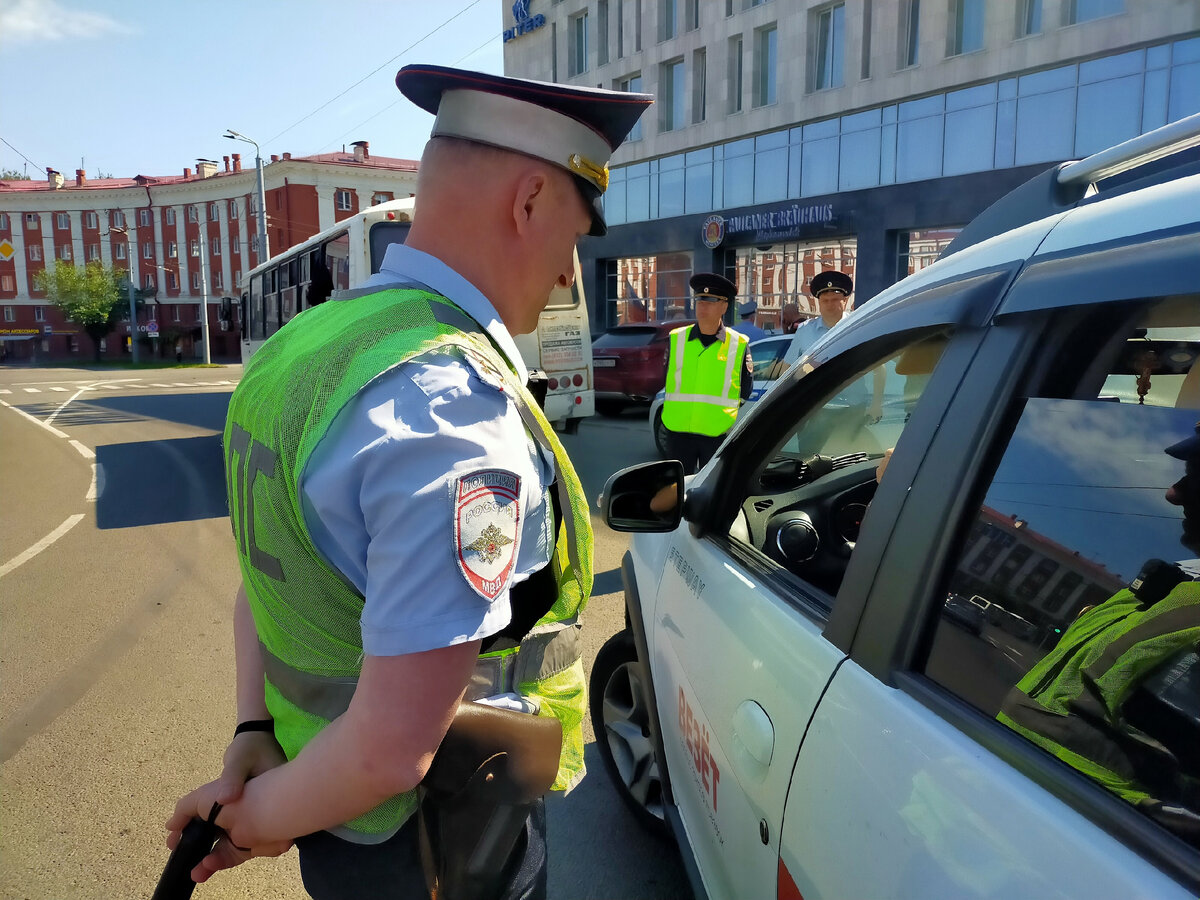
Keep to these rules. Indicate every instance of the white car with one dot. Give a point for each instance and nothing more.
(841, 682)
(766, 354)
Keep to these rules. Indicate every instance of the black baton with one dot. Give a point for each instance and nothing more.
(195, 843)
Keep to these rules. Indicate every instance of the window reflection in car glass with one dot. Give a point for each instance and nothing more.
(1073, 610)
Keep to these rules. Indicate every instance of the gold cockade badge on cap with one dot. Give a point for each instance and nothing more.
(597, 175)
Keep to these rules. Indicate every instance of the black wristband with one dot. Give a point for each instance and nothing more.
(255, 725)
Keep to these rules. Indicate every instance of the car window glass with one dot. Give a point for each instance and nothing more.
(802, 506)
(1072, 614)
(766, 356)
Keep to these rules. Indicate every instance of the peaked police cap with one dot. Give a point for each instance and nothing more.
(832, 281)
(574, 128)
(716, 287)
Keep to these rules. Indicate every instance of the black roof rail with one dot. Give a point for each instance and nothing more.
(1064, 185)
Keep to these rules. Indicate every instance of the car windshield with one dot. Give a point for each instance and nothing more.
(842, 426)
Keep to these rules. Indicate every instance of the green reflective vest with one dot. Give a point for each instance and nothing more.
(306, 614)
(1073, 702)
(704, 384)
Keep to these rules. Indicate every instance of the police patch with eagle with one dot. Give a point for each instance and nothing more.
(487, 519)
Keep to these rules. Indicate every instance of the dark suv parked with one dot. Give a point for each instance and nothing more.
(630, 362)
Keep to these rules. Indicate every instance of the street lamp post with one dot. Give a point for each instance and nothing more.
(264, 249)
(204, 292)
(133, 322)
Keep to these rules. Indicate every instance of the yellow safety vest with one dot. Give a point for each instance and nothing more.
(306, 614)
(704, 384)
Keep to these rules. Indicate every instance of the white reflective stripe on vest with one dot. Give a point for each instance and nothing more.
(722, 402)
(730, 359)
(680, 339)
(545, 651)
(729, 345)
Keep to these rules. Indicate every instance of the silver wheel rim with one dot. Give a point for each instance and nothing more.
(627, 727)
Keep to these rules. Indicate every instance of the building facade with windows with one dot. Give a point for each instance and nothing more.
(792, 136)
(187, 241)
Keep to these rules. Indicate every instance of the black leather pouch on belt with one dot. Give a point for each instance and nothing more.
(489, 771)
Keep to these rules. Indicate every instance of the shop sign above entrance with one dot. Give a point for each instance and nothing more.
(790, 220)
(525, 23)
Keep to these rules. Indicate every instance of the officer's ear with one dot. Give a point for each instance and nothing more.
(530, 198)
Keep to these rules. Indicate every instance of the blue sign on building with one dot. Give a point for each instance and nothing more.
(525, 22)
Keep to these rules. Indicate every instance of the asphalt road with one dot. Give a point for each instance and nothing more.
(117, 574)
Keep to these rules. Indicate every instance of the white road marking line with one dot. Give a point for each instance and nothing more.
(85, 452)
(62, 389)
(66, 403)
(35, 421)
(32, 390)
(97, 486)
(5, 391)
(41, 545)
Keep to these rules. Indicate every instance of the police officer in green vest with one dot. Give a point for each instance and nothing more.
(410, 531)
(1118, 697)
(708, 375)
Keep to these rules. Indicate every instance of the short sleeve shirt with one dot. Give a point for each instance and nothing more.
(383, 492)
(806, 334)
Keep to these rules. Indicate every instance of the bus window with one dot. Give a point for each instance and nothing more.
(383, 235)
(564, 298)
(254, 321)
(321, 285)
(287, 291)
(337, 257)
(270, 302)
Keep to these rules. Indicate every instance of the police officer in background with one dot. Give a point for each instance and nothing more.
(832, 291)
(394, 492)
(746, 326)
(708, 375)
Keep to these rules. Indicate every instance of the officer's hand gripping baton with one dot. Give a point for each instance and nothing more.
(195, 843)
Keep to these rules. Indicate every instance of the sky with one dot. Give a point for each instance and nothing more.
(146, 87)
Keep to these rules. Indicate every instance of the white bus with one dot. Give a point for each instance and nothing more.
(343, 256)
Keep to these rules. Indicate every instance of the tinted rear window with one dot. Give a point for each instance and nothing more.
(626, 337)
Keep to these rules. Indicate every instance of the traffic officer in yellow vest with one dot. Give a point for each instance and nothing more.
(1118, 697)
(708, 375)
(394, 489)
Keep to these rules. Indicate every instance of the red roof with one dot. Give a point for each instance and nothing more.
(338, 158)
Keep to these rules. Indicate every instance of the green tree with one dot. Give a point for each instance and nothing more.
(13, 175)
(89, 297)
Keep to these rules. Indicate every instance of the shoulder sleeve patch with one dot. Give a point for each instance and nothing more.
(487, 519)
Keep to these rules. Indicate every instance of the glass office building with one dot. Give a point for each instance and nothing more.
(792, 136)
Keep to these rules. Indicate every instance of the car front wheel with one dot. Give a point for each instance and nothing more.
(660, 434)
(621, 719)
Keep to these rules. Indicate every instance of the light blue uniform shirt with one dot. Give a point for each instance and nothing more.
(807, 334)
(379, 491)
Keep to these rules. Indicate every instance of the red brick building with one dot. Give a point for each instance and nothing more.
(188, 241)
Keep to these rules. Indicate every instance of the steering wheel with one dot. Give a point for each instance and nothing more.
(807, 518)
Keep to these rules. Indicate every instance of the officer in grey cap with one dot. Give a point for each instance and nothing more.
(396, 550)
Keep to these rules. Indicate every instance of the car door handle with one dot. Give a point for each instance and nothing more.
(754, 734)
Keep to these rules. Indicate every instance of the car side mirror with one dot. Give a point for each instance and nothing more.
(647, 497)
